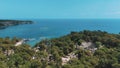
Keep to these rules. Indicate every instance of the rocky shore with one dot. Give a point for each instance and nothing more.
(6, 23)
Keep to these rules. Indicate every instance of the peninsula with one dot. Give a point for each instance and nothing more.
(6, 23)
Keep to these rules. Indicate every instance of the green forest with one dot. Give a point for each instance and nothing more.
(84, 49)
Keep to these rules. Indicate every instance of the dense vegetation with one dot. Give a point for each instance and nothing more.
(50, 53)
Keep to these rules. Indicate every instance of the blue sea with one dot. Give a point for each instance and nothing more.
(53, 28)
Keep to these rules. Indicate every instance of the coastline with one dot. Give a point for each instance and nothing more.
(7, 23)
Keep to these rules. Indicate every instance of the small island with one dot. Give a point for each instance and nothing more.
(6, 23)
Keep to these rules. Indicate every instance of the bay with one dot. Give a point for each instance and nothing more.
(52, 28)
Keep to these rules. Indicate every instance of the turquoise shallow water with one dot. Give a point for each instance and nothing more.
(51, 28)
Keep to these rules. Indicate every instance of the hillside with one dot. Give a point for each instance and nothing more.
(84, 49)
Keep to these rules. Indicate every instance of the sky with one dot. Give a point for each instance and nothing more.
(59, 9)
